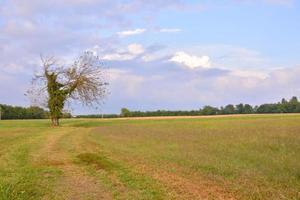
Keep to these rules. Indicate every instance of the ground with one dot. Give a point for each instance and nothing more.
(234, 157)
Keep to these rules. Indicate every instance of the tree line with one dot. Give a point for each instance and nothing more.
(284, 106)
(99, 116)
(18, 112)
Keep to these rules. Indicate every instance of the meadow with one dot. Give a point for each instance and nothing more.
(234, 157)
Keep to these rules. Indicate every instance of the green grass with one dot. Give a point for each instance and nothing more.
(242, 157)
(19, 180)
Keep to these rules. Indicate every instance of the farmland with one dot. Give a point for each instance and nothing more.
(234, 157)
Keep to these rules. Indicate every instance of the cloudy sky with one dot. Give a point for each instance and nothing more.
(159, 54)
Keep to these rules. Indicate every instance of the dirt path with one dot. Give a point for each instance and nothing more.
(75, 183)
(62, 145)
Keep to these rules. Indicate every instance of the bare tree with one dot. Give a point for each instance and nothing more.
(83, 81)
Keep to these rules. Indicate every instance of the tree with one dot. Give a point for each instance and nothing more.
(82, 81)
(292, 104)
(125, 112)
(229, 109)
(209, 110)
(239, 108)
(248, 109)
(284, 101)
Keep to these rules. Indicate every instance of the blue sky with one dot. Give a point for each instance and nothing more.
(160, 54)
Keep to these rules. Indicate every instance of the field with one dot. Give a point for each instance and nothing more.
(237, 157)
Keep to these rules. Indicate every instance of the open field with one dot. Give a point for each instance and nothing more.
(237, 157)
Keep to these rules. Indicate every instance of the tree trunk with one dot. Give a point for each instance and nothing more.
(52, 121)
(55, 121)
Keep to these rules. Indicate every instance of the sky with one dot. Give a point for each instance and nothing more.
(159, 54)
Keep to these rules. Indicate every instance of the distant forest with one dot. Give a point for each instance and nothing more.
(284, 106)
(18, 112)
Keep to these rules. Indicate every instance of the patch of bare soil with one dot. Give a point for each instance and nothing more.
(75, 183)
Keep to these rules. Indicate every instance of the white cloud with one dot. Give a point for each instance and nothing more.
(199, 88)
(191, 61)
(117, 56)
(233, 57)
(132, 51)
(170, 30)
(149, 58)
(19, 28)
(131, 32)
(135, 49)
(13, 68)
(250, 74)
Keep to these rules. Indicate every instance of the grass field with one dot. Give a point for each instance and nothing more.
(242, 157)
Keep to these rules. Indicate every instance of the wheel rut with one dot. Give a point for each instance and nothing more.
(75, 183)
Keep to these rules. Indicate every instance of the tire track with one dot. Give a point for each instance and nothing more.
(75, 183)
